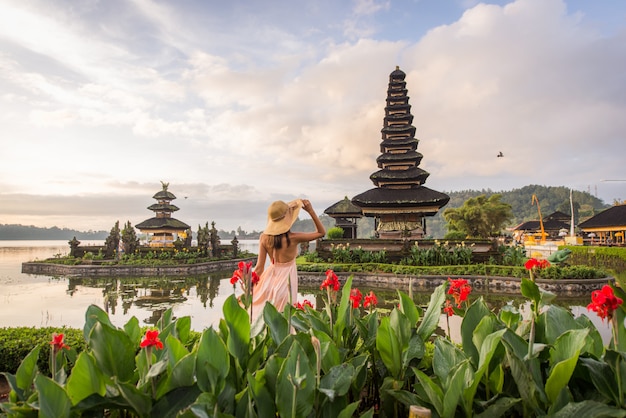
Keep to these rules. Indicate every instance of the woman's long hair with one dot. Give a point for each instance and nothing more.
(276, 241)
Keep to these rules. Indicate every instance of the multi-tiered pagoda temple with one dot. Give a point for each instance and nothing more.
(162, 229)
(399, 202)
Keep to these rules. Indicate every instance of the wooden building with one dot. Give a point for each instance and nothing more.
(553, 225)
(346, 215)
(607, 227)
(399, 203)
(162, 230)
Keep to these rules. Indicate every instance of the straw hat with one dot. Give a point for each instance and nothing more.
(281, 216)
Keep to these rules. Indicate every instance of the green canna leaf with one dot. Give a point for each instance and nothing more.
(85, 379)
(53, 400)
(113, 350)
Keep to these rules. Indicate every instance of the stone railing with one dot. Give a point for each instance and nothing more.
(497, 284)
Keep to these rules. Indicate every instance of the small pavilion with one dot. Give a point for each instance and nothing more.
(162, 229)
(346, 215)
(399, 203)
(553, 226)
(608, 227)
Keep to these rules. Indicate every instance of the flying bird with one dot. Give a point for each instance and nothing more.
(500, 154)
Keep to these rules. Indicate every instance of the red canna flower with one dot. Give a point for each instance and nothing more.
(242, 272)
(604, 302)
(370, 300)
(460, 290)
(332, 281)
(543, 264)
(448, 308)
(57, 342)
(535, 263)
(151, 339)
(255, 278)
(302, 305)
(531, 263)
(355, 297)
(235, 278)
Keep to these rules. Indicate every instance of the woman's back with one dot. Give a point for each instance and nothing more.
(286, 252)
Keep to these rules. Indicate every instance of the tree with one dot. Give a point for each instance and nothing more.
(204, 238)
(112, 241)
(129, 238)
(479, 217)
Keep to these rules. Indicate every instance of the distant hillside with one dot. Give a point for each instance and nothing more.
(551, 199)
(23, 232)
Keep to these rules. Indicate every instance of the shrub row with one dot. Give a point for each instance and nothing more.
(553, 272)
(16, 343)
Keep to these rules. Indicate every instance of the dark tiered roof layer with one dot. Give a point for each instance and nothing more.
(163, 207)
(164, 195)
(414, 175)
(163, 210)
(412, 156)
(162, 223)
(408, 142)
(415, 197)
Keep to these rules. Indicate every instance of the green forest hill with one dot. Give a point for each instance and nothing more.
(550, 198)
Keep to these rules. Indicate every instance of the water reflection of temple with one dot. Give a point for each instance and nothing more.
(154, 295)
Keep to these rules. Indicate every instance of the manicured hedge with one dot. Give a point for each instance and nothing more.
(604, 257)
(16, 343)
(553, 272)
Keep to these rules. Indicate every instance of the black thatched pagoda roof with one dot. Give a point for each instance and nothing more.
(413, 174)
(344, 209)
(614, 216)
(163, 207)
(394, 158)
(163, 210)
(162, 223)
(401, 198)
(399, 182)
(164, 195)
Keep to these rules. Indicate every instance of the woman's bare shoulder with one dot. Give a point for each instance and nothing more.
(304, 236)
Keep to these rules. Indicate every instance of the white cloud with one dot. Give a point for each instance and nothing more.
(233, 103)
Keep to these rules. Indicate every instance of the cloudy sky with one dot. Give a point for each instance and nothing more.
(239, 103)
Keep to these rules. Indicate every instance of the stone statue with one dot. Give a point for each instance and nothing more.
(560, 256)
(215, 240)
(235, 243)
(74, 243)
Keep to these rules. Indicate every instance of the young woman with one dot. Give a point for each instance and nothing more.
(278, 283)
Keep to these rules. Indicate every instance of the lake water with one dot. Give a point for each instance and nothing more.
(40, 301)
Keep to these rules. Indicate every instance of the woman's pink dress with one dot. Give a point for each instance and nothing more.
(274, 286)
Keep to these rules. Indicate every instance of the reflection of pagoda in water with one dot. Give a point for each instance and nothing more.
(162, 229)
(399, 202)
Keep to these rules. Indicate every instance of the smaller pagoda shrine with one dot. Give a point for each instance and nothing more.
(346, 215)
(162, 230)
(399, 203)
